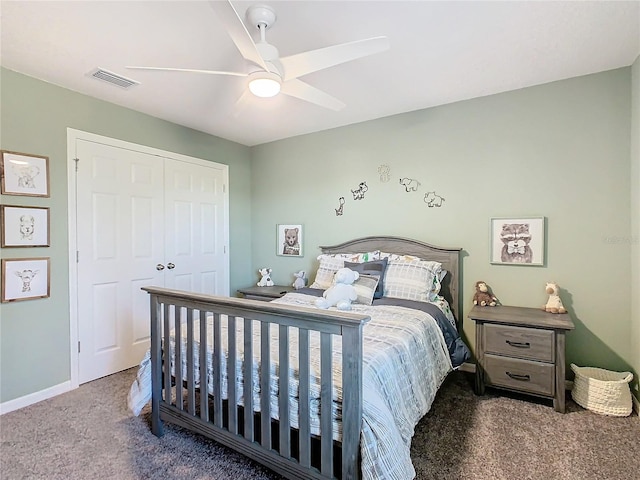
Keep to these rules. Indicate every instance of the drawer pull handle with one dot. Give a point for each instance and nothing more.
(515, 376)
(519, 344)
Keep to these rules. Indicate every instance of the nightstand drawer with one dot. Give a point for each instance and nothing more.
(516, 374)
(520, 342)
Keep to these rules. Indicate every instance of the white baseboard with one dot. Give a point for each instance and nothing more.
(36, 397)
(467, 367)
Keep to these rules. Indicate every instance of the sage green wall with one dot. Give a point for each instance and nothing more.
(635, 220)
(560, 150)
(34, 335)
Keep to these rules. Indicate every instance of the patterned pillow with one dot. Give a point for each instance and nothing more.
(412, 279)
(365, 288)
(375, 268)
(331, 263)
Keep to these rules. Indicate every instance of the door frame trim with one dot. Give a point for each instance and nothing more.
(74, 135)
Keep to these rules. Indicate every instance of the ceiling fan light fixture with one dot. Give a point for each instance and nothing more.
(264, 84)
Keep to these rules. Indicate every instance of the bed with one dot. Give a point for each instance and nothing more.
(353, 384)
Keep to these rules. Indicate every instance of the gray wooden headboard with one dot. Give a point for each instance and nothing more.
(449, 257)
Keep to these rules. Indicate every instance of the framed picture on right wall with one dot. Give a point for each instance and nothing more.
(518, 241)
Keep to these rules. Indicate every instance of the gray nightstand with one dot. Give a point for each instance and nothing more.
(521, 349)
(266, 294)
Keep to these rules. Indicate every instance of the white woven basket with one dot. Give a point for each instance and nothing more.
(602, 391)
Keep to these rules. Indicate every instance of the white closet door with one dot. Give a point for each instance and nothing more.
(120, 216)
(195, 228)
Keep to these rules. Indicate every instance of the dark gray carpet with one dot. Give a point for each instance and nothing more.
(89, 434)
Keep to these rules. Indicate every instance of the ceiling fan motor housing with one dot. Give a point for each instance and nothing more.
(261, 15)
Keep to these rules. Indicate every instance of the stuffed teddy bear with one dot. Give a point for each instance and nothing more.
(300, 281)
(265, 281)
(554, 304)
(483, 295)
(342, 292)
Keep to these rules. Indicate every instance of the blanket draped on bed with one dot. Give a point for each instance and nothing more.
(407, 354)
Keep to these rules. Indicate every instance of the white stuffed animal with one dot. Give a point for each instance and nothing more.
(342, 292)
(265, 281)
(300, 281)
(554, 304)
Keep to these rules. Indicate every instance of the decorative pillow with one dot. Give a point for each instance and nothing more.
(375, 268)
(331, 263)
(412, 279)
(365, 288)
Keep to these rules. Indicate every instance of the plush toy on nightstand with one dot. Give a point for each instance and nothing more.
(554, 304)
(342, 292)
(483, 296)
(300, 281)
(265, 281)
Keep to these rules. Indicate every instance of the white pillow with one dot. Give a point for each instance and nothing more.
(365, 287)
(331, 263)
(412, 279)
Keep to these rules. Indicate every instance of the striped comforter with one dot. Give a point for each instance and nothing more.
(405, 360)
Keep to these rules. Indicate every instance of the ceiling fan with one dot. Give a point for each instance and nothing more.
(268, 74)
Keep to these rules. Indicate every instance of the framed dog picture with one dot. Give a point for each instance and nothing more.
(24, 174)
(518, 241)
(24, 226)
(25, 279)
(289, 240)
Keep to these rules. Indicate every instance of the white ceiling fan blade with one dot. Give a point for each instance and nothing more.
(190, 70)
(238, 32)
(306, 62)
(304, 91)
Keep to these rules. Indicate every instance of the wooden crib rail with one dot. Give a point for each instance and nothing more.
(286, 452)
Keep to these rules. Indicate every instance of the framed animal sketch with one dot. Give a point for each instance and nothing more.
(518, 241)
(24, 226)
(289, 240)
(24, 174)
(25, 279)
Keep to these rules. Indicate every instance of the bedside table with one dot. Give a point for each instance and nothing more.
(521, 349)
(266, 294)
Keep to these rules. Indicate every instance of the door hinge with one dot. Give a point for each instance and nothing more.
(77, 160)
(78, 347)
(225, 249)
(224, 188)
(77, 256)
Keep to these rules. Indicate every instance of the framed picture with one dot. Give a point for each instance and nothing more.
(24, 226)
(24, 174)
(25, 279)
(517, 241)
(289, 240)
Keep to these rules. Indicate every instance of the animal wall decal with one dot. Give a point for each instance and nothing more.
(358, 193)
(340, 209)
(409, 184)
(433, 200)
(385, 173)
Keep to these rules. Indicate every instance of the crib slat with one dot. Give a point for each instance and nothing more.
(156, 366)
(217, 371)
(248, 380)
(204, 388)
(265, 385)
(231, 375)
(283, 391)
(168, 359)
(303, 401)
(178, 364)
(326, 384)
(191, 390)
(351, 400)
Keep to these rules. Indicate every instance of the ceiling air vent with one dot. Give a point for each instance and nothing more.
(112, 78)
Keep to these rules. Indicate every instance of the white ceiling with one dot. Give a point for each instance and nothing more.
(441, 52)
